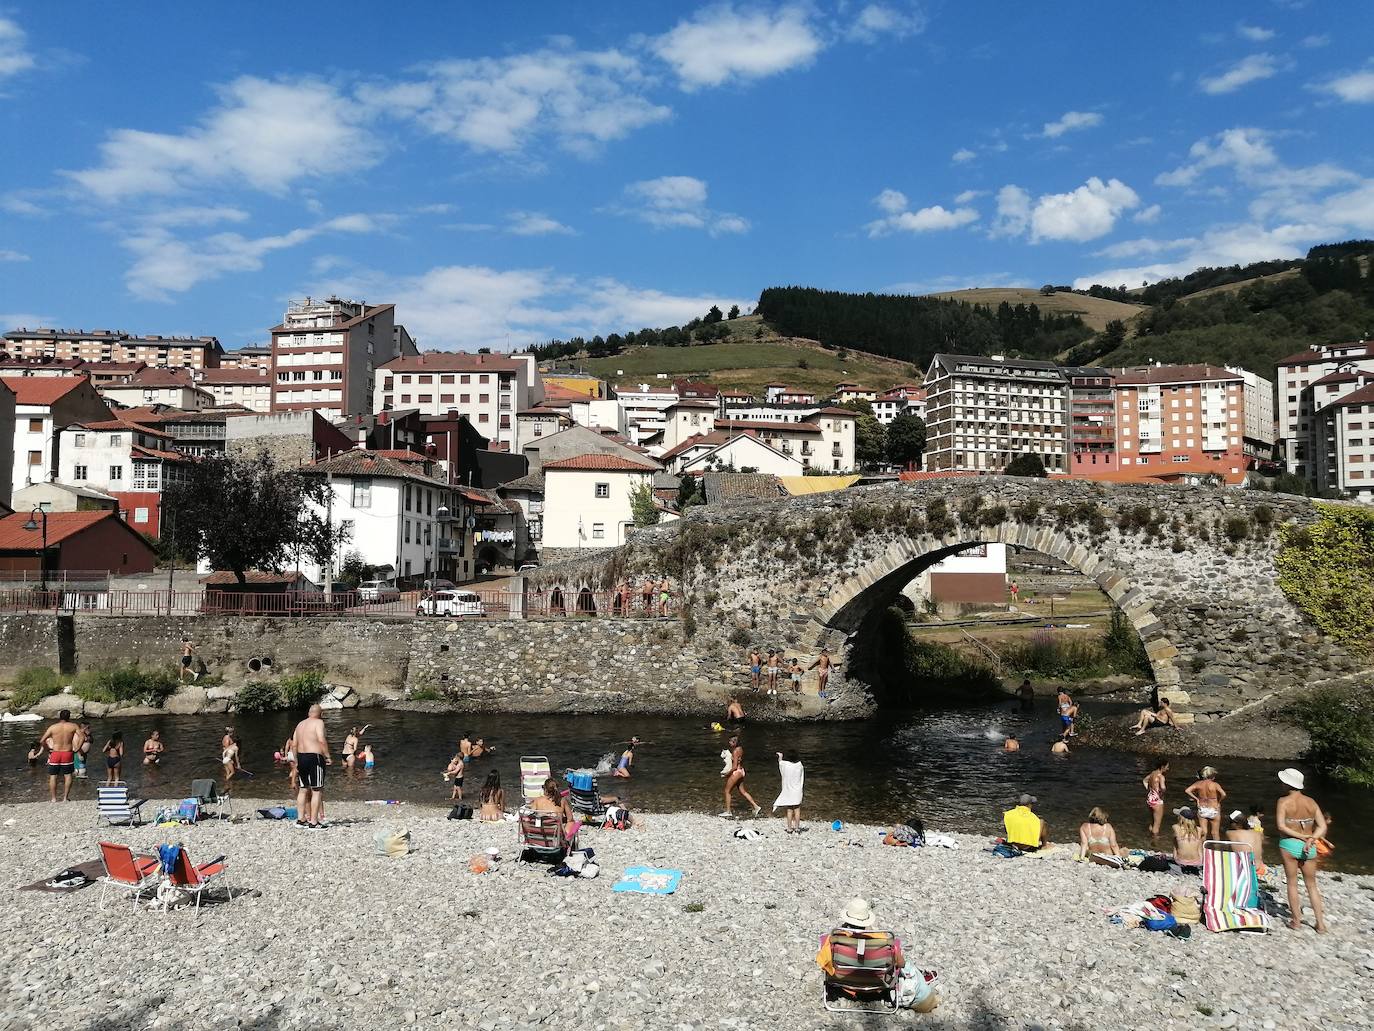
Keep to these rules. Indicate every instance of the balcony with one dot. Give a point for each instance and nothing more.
(447, 546)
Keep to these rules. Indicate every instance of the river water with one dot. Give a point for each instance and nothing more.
(945, 766)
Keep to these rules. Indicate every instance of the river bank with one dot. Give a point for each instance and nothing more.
(332, 935)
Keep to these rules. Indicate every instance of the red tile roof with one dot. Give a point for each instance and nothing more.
(1363, 396)
(1338, 377)
(454, 361)
(1176, 374)
(699, 440)
(42, 390)
(138, 451)
(835, 410)
(602, 463)
(357, 462)
(400, 455)
(1313, 355)
(116, 425)
(692, 402)
(61, 525)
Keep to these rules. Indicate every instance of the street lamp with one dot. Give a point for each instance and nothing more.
(32, 525)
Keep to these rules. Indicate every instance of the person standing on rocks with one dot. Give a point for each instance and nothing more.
(789, 800)
(755, 668)
(1300, 823)
(823, 665)
(62, 739)
(665, 595)
(1154, 795)
(188, 653)
(1208, 795)
(773, 660)
(312, 756)
(736, 780)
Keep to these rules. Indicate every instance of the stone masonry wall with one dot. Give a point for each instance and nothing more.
(27, 641)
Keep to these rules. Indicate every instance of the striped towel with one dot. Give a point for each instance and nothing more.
(1232, 892)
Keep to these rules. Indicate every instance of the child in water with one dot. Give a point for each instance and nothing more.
(369, 760)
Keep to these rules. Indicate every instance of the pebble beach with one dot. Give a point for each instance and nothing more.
(328, 934)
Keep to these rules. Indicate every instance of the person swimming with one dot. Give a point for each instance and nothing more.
(627, 759)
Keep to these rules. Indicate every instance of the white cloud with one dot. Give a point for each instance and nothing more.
(1254, 33)
(877, 22)
(1242, 73)
(1072, 121)
(1315, 41)
(897, 218)
(968, 195)
(1013, 211)
(165, 264)
(14, 53)
(721, 44)
(1082, 214)
(9, 255)
(535, 223)
(264, 134)
(19, 205)
(1145, 216)
(1355, 88)
(962, 155)
(1240, 148)
(677, 202)
(1219, 246)
(468, 306)
(581, 99)
(1143, 247)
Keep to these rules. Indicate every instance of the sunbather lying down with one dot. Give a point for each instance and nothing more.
(906, 835)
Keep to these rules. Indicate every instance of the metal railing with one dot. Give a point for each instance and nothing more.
(459, 603)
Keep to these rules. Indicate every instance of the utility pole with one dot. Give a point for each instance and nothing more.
(171, 554)
(329, 535)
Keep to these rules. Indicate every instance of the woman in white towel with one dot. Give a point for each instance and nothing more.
(790, 800)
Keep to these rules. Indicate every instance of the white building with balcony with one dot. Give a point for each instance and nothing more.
(487, 388)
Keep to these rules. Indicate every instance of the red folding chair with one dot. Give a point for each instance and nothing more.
(125, 871)
(198, 879)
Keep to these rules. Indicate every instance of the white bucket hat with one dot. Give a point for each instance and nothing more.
(1293, 778)
(859, 913)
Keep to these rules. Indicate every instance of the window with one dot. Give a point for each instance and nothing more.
(79, 472)
(116, 473)
(603, 490)
(464, 398)
(483, 417)
(446, 399)
(79, 440)
(446, 379)
(116, 440)
(362, 493)
(484, 378)
(35, 425)
(140, 515)
(424, 399)
(1180, 458)
(407, 493)
(465, 378)
(407, 531)
(598, 531)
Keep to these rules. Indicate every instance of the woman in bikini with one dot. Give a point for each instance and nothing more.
(1187, 841)
(492, 799)
(1097, 840)
(229, 757)
(1208, 795)
(114, 758)
(1301, 824)
(1154, 795)
(153, 749)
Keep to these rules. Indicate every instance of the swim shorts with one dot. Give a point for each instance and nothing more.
(1298, 849)
(61, 763)
(310, 770)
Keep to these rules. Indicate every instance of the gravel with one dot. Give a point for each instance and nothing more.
(333, 936)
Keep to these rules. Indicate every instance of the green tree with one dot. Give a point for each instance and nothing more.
(733, 312)
(714, 315)
(1327, 571)
(689, 493)
(242, 513)
(1025, 465)
(906, 440)
(643, 505)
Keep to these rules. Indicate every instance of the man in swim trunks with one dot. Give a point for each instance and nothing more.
(1011, 744)
(736, 780)
(772, 669)
(823, 665)
(734, 711)
(188, 651)
(1065, 705)
(312, 756)
(62, 739)
(755, 668)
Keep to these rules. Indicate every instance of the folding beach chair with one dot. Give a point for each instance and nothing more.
(198, 879)
(534, 770)
(1231, 888)
(113, 805)
(541, 836)
(584, 799)
(865, 972)
(205, 791)
(125, 871)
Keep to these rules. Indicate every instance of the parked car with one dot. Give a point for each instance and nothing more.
(451, 603)
(440, 584)
(528, 567)
(374, 591)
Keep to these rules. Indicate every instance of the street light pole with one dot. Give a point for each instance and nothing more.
(32, 525)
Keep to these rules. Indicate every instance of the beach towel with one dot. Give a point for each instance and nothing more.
(648, 880)
(1232, 892)
(73, 878)
(793, 779)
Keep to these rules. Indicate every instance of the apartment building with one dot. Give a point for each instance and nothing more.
(1092, 420)
(847, 392)
(43, 407)
(129, 462)
(901, 399)
(110, 345)
(1341, 456)
(487, 388)
(175, 388)
(250, 386)
(1307, 381)
(254, 356)
(325, 354)
(1180, 414)
(984, 411)
(644, 410)
(587, 500)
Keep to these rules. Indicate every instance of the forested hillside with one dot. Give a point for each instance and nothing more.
(913, 329)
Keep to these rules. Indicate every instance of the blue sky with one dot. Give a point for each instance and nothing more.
(510, 172)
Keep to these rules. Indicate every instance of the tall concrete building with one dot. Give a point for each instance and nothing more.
(1309, 381)
(1181, 414)
(325, 354)
(113, 345)
(984, 411)
(487, 388)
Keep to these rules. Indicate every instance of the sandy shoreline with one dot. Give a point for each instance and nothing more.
(335, 936)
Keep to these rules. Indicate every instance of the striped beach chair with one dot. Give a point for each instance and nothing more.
(534, 770)
(540, 835)
(113, 805)
(866, 965)
(1231, 887)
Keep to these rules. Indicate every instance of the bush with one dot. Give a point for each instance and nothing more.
(427, 694)
(127, 683)
(1341, 727)
(31, 686)
(1123, 647)
(300, 690)
(1237, 528)
(739, 637)
(1327, 571)
(259, 696)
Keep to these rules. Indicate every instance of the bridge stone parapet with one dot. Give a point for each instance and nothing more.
(1192, 569)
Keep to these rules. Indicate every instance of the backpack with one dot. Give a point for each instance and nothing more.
(617, 818)
(460, 812)
(1154, 864)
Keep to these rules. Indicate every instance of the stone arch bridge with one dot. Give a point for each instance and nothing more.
(1192, 568)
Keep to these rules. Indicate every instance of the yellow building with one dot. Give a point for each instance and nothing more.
(583, 386)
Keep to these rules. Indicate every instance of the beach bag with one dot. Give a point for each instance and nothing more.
(391, 843)
(914, 991)
(167, 858)
(275, 812)
(581, 780)
(189, 810)
(460, 812)
(1163, 922)
(1154, 864)
(617, 818)
(1185, 909)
